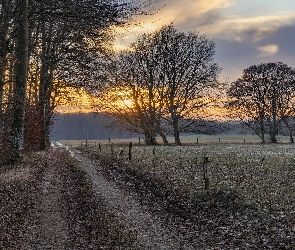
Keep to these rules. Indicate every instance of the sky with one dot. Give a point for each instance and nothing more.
(246, 32)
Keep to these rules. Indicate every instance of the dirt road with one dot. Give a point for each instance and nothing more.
(150, 231)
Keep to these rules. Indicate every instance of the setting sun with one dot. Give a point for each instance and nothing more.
(127, 102)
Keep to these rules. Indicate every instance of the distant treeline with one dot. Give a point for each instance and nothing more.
(100, 126)
(88, 126)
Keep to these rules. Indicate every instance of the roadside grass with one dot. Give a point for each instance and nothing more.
(241, 176)
(18, 195)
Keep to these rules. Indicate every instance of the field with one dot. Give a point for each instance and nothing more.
(259, 175)
(264, 173)
(185, 139)
(96, 196)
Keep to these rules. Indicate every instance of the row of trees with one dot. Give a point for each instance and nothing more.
(165, 79)
(43, 46)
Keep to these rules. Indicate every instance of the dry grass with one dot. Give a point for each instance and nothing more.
(254, 177)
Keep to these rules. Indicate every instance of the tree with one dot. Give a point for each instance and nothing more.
(6, 17)
(263, 98)
(66, 34)
(21, 68)
(136, 93)
(74, 37)
(64, 37)
(169, 72)
(188, 69)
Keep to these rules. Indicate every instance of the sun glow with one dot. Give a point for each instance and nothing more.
(127, 103)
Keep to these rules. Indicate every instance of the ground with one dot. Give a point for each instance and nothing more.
(67, 198)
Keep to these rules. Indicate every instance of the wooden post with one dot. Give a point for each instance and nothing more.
(99, 147)
(197, 140)
(139, 140)
(109, 140)
(206, 172)
(112, 149)
(81, 144)
(154, 151)
(130, 147)
(219, 140)
(86, 143)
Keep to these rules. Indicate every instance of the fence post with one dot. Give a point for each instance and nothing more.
(130, 147)
(112, 149)
(206, 172)
(99, 147)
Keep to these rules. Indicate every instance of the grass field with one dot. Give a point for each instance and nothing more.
(262, 173)
(185, 139)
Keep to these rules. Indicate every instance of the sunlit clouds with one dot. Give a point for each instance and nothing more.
(252, 29)
(268, 49)
(246, 32)
(217, 18)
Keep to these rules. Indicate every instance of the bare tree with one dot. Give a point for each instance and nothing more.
(264, 98)
(188, 68)
(136, 92)
(6, 17)
(64, 38)
(167, 73)
(68, 38)
(21, 68)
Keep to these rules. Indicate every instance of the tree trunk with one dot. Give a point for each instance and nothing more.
(273, 138)
(4, 26)
(262, 127)
(150, 138)
(165, 141)
(1, 94)
(176, 132)
(262, 135)
(290, 131)
(274, 125)
(45, 89)
(20, 72)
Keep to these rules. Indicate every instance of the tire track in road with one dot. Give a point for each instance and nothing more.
(49, 229)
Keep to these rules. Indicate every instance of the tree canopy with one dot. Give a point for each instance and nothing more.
(64, 40)
(263, 97)
(167, 74)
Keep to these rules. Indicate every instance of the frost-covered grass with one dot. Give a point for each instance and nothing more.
(263, 174)
(185, 139)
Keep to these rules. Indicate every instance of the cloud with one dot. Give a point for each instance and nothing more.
(184, 13)
(245, 33)
(234, 56)
(269, 49)
(187, 15)
(251, 29)
(284, 38)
